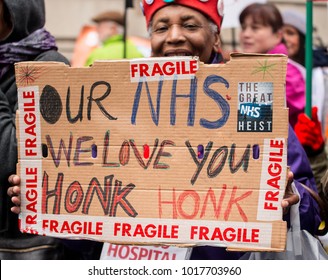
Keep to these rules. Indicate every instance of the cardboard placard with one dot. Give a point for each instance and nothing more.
(155, 151)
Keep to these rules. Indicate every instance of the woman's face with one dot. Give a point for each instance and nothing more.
(258, 38)
(292, 39)
(181, 31)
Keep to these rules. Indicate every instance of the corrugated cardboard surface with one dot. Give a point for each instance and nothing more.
(108, 155)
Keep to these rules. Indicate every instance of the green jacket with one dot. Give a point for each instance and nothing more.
(113, 48)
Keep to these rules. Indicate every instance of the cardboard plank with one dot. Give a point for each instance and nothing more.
(155, 151)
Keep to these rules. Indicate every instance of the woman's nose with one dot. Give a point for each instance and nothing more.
(245, 32)
(175, 34)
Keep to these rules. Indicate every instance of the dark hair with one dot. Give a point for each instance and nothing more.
(300, 56)
(265, 14)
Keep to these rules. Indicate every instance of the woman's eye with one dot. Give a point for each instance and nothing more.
(160, 29)
(190, 26)
(256, 27)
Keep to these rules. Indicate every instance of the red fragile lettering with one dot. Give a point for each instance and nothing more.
(168, 68)
(29, 123)
(146, 230)
(31, 195)
(274, 172)
(229, 234)
(73, 227)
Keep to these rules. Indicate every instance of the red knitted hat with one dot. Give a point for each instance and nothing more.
(210, 8)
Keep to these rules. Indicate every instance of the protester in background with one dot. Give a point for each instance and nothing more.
(22, 38)
(110, 28)
(310, 131)
(294, 30)
(261, 32)
(192, 28)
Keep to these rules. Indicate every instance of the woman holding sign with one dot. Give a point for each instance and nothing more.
(192, 28)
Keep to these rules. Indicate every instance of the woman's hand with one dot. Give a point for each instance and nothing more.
(14, 192)
(290, 198)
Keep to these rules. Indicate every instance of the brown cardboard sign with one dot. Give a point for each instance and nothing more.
(155, 151)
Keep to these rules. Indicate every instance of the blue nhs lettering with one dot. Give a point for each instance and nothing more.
(155, 105)
(251, 110)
